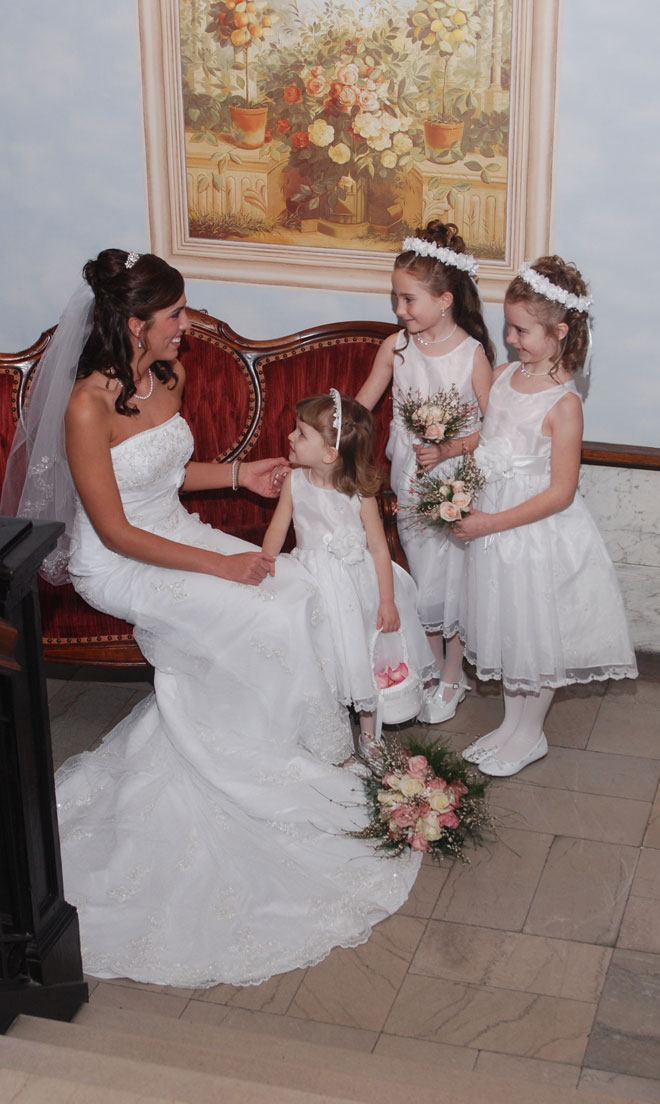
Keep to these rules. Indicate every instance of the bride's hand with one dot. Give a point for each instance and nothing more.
(250, 568)
(264, 477)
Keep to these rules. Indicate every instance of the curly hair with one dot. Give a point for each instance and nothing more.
(572, 349)
(439, 278)
(121, 293)
(355, 473)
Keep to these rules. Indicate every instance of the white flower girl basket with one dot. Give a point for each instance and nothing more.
(403, 700)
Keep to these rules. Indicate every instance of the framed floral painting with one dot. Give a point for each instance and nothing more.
(299, 141)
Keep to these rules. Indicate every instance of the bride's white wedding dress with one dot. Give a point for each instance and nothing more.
(206, 840)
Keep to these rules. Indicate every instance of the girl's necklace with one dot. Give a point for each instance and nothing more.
(533, 375)
(438, 340)
(143, 398)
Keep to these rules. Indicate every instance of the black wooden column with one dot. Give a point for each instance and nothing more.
(40, 965)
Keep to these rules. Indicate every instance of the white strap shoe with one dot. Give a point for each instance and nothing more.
(435, 709)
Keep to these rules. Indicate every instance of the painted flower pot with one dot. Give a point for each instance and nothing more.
(440, 136)
(248, 126)
(353, 208)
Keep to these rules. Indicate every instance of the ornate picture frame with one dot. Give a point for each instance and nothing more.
(351, 122)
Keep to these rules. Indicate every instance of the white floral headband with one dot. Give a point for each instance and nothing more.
(336, 417)
(545, 287)
(423, 248)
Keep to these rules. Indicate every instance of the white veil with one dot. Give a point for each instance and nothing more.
(38, 482)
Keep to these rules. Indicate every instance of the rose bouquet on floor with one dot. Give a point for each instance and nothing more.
(427, 799)
(439, 417)
(442, 500)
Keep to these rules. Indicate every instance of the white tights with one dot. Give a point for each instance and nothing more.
(524, 715)
(448, 656)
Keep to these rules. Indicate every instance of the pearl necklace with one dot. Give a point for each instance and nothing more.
(438, 340)
(143, 398)
(533, 375)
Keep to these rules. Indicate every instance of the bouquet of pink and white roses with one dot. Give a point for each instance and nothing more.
(441, 500)
(438, 418)
(425, 798)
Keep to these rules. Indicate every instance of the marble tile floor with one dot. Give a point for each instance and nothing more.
(538, 959)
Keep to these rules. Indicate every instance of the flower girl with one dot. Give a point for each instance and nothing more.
(329, 495)
(542, 607)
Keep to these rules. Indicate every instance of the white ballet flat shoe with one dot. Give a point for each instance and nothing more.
(475, 752)
(435, 709)
(501, 768)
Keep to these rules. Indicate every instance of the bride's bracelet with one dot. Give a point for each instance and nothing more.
(234, 474)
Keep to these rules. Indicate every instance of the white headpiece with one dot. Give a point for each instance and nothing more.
(38, 482)
(464, 261)
(336, 417)
(132, 259)
(545, 287)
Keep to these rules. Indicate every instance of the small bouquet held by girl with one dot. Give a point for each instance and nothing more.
(440, 501)
(423, 798)
(438, 417)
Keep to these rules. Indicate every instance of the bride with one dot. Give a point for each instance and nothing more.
(208, 839)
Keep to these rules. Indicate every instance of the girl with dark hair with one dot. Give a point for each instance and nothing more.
(542, 607)
(341, 541)
(444, 342)
(208, 839)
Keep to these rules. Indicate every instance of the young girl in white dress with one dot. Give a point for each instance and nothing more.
(445, 342)
(542, 607)
(341, 541)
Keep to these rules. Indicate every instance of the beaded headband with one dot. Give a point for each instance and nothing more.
(131, 259)
(423, 248)
(336, 417)
(545, 287)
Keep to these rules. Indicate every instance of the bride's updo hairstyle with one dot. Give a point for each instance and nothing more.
(355, 472)
(573, 349)
(439, 278)
(123, 291)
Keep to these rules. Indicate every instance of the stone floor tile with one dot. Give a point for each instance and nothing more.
(566, 813)
(426, 890)
(583, 891)
(148, 987)
(572, 714)
(274, 995)
(285, 1027)
(624, 776)
(509, 960)
(528, 1069)
(501, 1020)
(425, 1054)
(638, 1089)
(496, 888)
(137, 1000)
(356, 986)
(640, 929)
(626, 1033)
(652, 837)
(627, 722)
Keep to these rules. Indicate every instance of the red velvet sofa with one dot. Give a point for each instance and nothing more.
(239, 402)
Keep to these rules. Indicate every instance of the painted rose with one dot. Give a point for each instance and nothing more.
(320, 133)
(348, 97)
(417, 766)
(368, 100)
(292, 94)
(388, 159)
(340, 153)
(300, 140)
(380, 142)
(366, 124)
(402, 143)
(283, 126)
(347, 74)
(316, 86)
(462, 500)
(449, 512)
